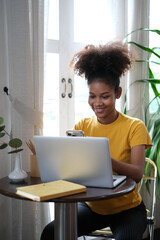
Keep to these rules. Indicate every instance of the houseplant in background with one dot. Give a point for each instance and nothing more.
(17, 175)
(152, 121)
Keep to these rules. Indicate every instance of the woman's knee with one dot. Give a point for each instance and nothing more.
(128, 236)
(128, 233)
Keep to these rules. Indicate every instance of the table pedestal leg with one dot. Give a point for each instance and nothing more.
(65, 221)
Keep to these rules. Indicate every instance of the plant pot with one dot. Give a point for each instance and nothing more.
(18, 174)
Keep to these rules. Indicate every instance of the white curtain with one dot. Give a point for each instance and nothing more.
(130, 15)
(126, 16)
(138, 17)
(22, 49)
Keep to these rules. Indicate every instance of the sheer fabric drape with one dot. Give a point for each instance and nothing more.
(22, 48)
(138, 17)
(130, 15)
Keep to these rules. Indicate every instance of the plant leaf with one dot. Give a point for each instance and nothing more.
(148, 61)
(2, 135)
(158, 162)
(4, 145)
(152, 100)
(16, 151)
(147, 152)
(158, 185)
(151, 75)
(15, 143)
(2, 128)
(141, 29)
(1, 120)
(147, 49)
(149, 80)
(147, 169)
(151, 30)
(153, 124)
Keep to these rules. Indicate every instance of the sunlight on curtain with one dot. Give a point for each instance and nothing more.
(136, 92)
(22, 71)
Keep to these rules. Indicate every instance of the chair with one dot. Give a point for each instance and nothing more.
(151, 213)
(107, 233)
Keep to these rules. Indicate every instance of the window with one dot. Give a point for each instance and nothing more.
(68, 32)
(87, 28)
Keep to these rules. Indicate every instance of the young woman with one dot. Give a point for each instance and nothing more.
(102, 67)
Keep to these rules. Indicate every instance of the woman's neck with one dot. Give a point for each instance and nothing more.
(110, 119)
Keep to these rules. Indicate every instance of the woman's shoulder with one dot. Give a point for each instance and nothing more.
(130, 120)
(132, 124)
(84, 122)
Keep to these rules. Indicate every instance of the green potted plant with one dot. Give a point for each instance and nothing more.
(17, 175)
(14, 143)
(152, 121)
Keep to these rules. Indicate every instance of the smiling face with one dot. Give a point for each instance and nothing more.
(102, 99)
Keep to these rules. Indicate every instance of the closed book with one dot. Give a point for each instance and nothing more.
(50, 190)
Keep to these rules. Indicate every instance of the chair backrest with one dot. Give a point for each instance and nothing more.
(151, 176)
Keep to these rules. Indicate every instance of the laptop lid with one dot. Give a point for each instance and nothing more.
(83, 160)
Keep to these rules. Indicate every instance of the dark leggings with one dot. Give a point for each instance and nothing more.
(127, 225)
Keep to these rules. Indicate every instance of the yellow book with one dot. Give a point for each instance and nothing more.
(50, 190)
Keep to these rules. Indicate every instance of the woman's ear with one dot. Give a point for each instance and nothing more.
(118, 93)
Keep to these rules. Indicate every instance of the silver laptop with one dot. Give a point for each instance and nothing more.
(83, 160)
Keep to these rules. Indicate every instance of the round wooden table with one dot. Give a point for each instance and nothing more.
(66, 207)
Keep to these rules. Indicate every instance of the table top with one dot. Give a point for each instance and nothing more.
(8, 188)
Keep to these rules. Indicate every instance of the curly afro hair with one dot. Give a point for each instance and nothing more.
(105, 62)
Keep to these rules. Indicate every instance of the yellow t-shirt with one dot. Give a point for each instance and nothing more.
(123, 134)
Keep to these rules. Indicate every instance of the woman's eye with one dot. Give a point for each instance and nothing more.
(105, 97)
(91, 96)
